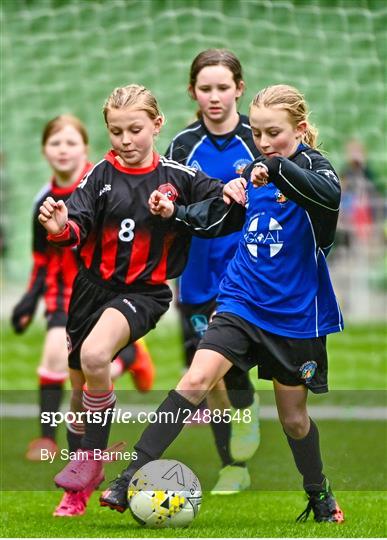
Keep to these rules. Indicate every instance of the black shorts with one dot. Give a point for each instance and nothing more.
(142, 308)
(291, 361)
(56, 319)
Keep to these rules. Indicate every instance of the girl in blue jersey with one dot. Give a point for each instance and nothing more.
(219, 143)
(276, 303)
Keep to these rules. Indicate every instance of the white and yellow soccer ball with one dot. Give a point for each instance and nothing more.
(164, 493)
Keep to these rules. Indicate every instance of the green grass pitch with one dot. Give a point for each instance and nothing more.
(354, 453)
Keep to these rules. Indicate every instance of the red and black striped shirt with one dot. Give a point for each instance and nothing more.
(121, 242)
(53, 269)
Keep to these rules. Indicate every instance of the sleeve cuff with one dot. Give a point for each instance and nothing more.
(175, 210)
(64, 235)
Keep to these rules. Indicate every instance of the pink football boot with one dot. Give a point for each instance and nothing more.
(73, 503)
(80, 472)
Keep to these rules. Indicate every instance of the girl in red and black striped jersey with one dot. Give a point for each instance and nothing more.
(127, 254)
(65, 147)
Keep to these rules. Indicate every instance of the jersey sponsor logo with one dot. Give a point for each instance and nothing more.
(240, 165)
(307, 370)
(258, 237)
(129, 303)
(169, 190)
(280, 197)
(106, 187)
(199, 324)
(195, 165)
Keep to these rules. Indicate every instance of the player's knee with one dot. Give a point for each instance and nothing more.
(93, 359)
(195, 380)
(55, 363)
(295, 425)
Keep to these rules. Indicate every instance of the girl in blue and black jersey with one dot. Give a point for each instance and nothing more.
(276, 303)
(219, 143)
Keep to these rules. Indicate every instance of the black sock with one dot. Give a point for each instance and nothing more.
(239, 388)
(222, 435)
(97, 434)
(306, 453)
(50, 400)
(74, 441)
(156, 437)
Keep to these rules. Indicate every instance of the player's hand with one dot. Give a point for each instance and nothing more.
(20, 325)
(53, 216)
(259, 175)
(235, 191)
(22, 313)
(160, 205)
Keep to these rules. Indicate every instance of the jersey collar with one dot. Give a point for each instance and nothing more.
(300, 148)
(66, 190)
(226, 137)
(111, 157)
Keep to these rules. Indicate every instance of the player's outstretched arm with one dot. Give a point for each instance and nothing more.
(160, 205)
(53, 216)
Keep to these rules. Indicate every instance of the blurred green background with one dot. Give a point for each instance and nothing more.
(67, 56)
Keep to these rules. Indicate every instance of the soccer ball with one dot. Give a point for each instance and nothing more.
(164, 493)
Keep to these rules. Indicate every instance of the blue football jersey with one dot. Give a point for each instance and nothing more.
(278, 279)
(223, 157)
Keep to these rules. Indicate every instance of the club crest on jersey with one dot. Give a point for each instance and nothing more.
(307, 370)
(169, 190)
(240, 166)
(280, 197)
